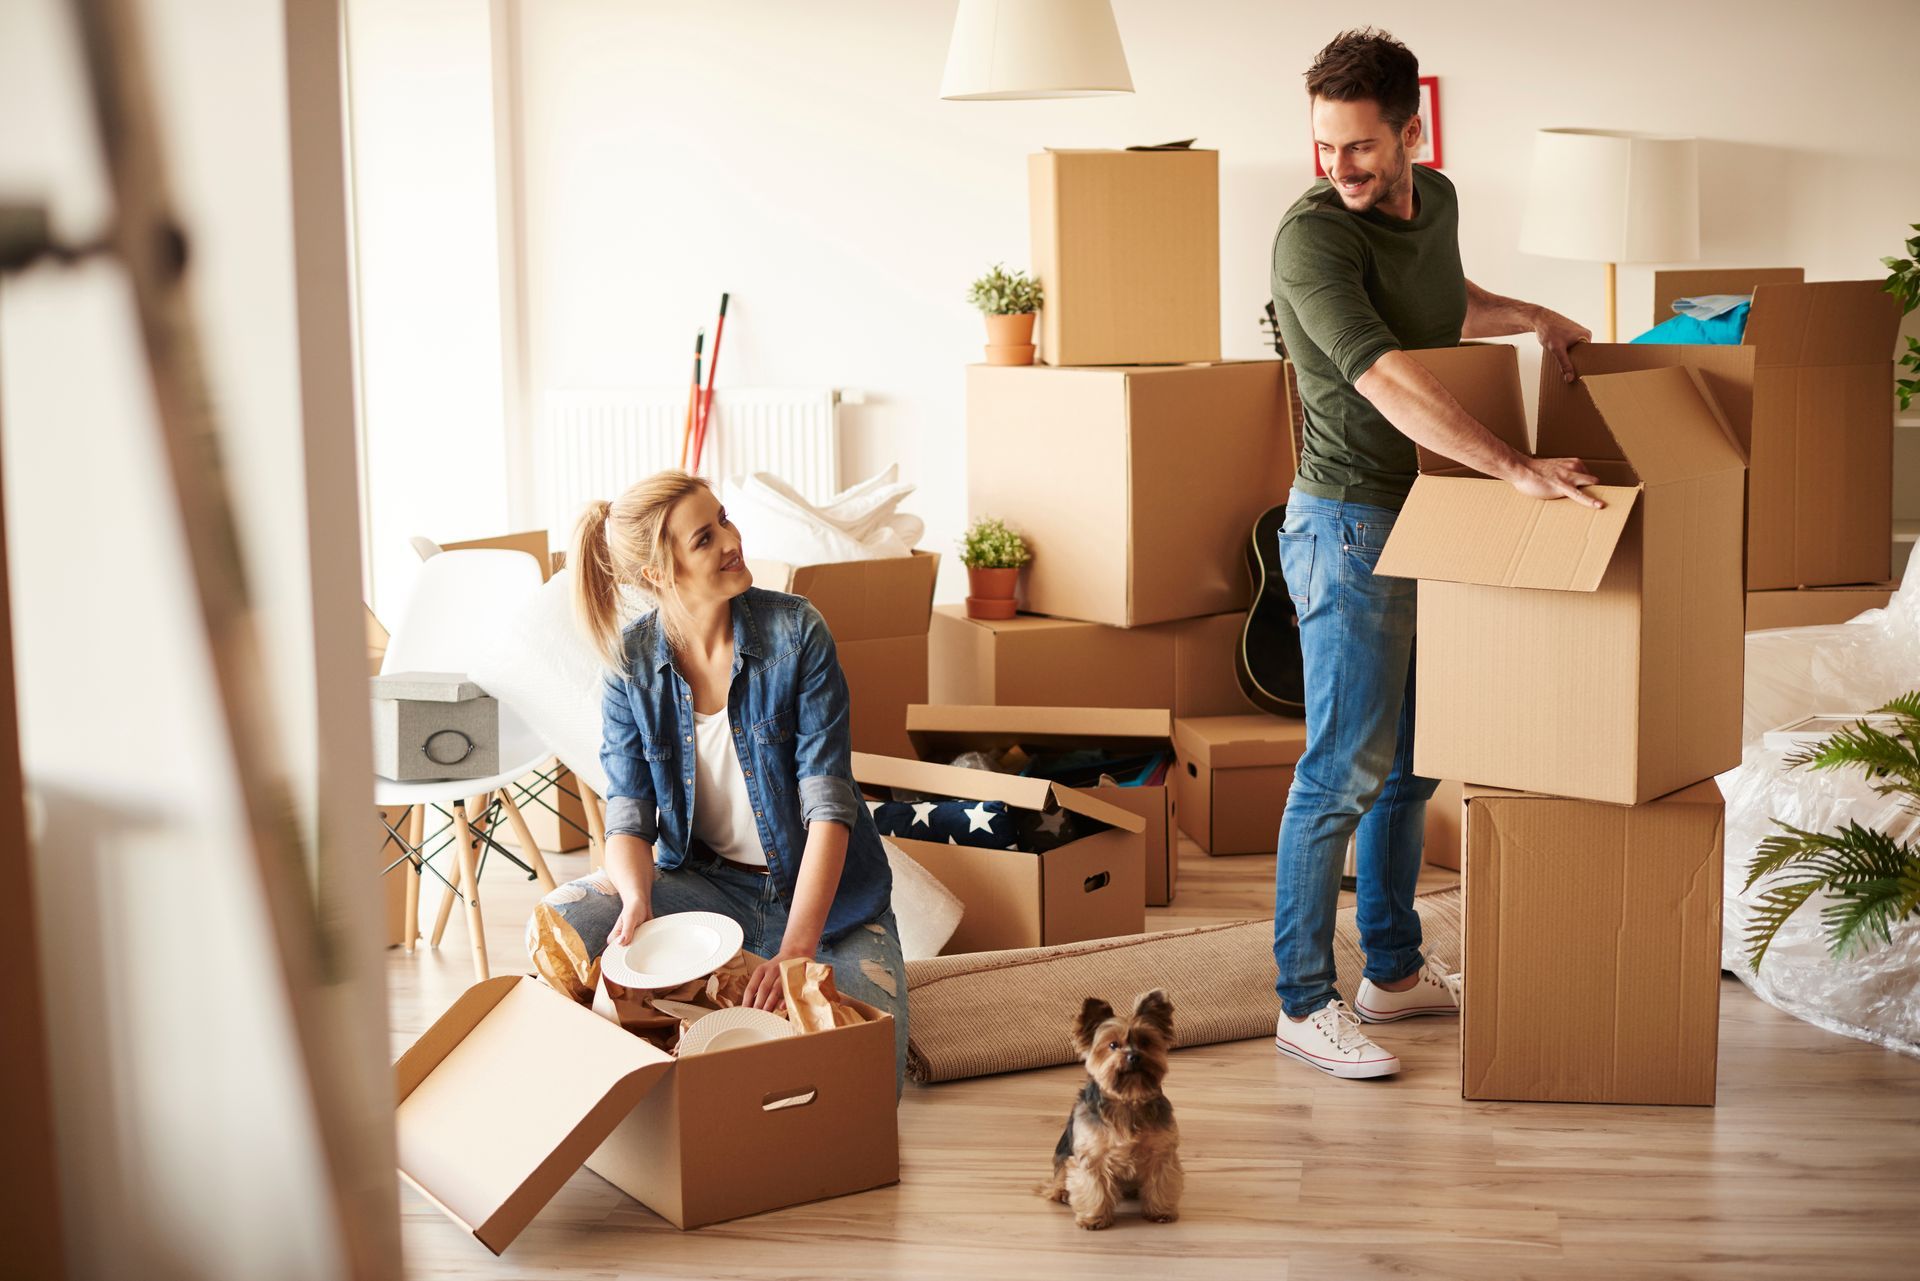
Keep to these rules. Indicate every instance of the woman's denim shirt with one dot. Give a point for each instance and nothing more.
(789, 710)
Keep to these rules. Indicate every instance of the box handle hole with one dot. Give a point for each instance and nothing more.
(1098, 881)
(788, 1099)
(1192, 772)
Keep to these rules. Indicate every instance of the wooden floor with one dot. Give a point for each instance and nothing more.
(1809, 1167)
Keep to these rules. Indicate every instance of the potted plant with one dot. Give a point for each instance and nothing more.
(1904, 284)
(1008, 301)
(993, 555)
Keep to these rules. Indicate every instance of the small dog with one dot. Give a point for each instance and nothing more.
(1120, 1139)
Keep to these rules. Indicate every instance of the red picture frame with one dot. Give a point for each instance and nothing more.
(1429, 152)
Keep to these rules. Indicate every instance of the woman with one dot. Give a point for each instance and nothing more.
(730, 781)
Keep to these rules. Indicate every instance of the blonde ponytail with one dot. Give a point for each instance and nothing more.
(622, 544)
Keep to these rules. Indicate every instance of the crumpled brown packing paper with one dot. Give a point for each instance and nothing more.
(634, 1009)
(813, 1004)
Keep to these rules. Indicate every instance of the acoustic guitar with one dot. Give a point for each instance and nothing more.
(1267, 660)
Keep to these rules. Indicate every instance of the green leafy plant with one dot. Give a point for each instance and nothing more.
(989, 544)
(1872, 879)
(1000, 293)
(1904, 284)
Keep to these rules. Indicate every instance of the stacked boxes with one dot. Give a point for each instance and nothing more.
(1588, 665)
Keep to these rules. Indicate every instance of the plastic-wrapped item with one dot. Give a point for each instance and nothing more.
(1872, 993)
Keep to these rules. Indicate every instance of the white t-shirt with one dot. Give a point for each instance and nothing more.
(722, 809)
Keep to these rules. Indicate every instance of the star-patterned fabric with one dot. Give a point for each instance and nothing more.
(983, 824)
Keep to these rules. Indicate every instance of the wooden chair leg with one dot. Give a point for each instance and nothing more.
(445, 911)
(596, 826)
(410, 926)
(470, 887)
(527, 844)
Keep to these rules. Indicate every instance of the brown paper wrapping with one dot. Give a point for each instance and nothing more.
(635, 1011)
(813, 1004)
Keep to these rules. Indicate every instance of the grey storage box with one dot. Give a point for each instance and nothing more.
(429, 726)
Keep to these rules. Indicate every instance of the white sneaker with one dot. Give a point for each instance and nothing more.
(1437, 992)
(1330, 1039)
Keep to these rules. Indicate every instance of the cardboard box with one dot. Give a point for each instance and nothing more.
(1592, 971)
(1574, 652)
(1126, 245)
(560, 833)
(1442, 836)
(1034, 661)
(515, 1087)
(1231, 779)
(878, 612)
(1813, 606)
(1820, 444)
(1091, 888)
(1136, 489)
(940, 733)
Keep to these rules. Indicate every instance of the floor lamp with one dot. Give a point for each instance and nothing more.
(1600, 195)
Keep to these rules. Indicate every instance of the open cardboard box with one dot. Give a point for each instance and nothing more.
(1568, 651)
(515, 1087)
(1091, 888)
(1127, 245)
(1135, 488)
(1232, 777)
(1820, 439)
(1592, 968)
(878, 612)
(940, 733)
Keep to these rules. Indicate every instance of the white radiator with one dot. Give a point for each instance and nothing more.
(593, 444)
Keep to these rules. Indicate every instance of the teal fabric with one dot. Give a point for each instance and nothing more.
(1725, 329)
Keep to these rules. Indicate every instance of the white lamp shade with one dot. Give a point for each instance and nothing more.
(1035, 49)
(1604, 196)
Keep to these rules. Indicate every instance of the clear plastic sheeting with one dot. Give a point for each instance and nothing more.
(1854, 667)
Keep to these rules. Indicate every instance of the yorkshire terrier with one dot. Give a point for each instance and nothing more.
(1120, 1139)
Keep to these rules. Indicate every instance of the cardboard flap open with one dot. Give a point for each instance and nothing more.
(1467, 530)
(504, 1097)
(1486, 382)
(984, 785)
(1830, 322)
(1570, 427)
(938, 729)
(860, 599)
(1666, 423)
(1669, 285)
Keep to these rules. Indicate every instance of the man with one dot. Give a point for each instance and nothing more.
(1366, 266)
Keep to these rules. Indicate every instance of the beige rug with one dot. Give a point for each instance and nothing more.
(988, 1012)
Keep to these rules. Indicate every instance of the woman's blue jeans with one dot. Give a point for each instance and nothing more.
(1356, 776)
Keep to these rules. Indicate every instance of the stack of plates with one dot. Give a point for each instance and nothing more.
(671, 950)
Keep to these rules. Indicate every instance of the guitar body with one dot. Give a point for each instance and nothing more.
(1267, 661)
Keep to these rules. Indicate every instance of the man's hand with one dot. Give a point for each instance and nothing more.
(763, 985)
(1555, 478)
(634, 913)
(1556, 334)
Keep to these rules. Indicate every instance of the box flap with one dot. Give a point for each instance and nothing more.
(982, 785)
(1570, 427)
(1468, 530)
(1669, 285)
(1485, 379)
(940, 729)
(860, 599)
(1666, 423)
(1831, 322)
(1241, 741)
(504, 1097)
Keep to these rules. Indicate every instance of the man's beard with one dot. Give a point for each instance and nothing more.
(1381, 189)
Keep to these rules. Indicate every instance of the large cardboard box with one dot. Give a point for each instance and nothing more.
(1091, 888)
(1231, 779)
(1136, 489)
(515, 1087)
(1592, 970)
(1126, 245)
(1564, 650)
(1820, 443)
(940, 733)
(1036, 661)
(1813, 606)
(1443, 828)
(877, 611)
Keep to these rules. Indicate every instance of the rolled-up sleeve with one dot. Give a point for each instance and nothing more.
(1319, 270)
(824, 751)
(631, 806)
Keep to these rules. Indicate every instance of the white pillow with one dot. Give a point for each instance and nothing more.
(926, 911)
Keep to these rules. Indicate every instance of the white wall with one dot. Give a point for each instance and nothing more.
(799, 155)
(186, 1138)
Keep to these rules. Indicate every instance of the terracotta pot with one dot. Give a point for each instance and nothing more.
(978, 607)
(991, 584)
(1010, 339)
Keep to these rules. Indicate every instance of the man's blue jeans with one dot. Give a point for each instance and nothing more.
(1356, 637)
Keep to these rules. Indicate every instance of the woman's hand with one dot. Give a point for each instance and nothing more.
(764, 991)
(634, 912)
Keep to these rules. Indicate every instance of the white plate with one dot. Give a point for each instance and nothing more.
(670, 950)
(731, 1029)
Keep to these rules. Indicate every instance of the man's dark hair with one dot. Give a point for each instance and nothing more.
(1368, 64)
